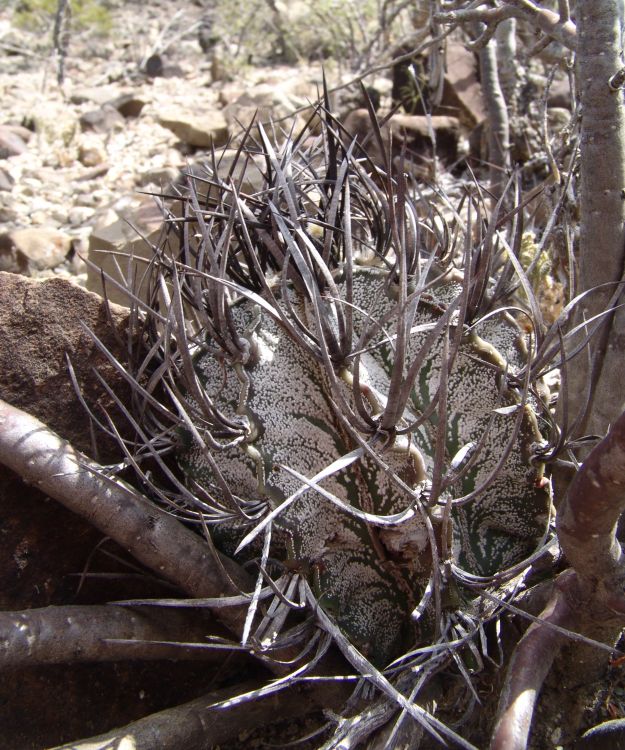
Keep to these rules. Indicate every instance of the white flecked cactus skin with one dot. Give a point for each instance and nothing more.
(321, 331)
(371, 577)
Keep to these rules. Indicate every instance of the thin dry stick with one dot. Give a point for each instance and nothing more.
(152, 536)
(550, 23)
(69, 634)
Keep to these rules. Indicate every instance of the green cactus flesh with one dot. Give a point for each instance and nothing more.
(370, 577)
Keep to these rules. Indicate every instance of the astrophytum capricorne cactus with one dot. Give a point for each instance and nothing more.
(351, 415)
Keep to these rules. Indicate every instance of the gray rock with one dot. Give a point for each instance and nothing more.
(24, 133)
(6, 181)
(157, 66)
(8, 215)
(154, 66)
(198, 129)
(411, 130)
(91, 151)
(97, 95)
(462, 96)
(119, 246)
(128, 105)
(102, 120)
(27, 251)
(10, 143)
(161, 176)
(40, 323)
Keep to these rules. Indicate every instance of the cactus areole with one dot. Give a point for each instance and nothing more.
(349, 418)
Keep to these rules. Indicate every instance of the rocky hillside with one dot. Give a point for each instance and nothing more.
(136, 104)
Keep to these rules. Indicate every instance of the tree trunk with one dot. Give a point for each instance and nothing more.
(602, 206)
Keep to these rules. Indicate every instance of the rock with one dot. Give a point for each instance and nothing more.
(6, 181)
(560, 94)
(263, 102)
(54, 122)
(102, 120)
(10, 143)
(92, 174)
(24, 133)
(154, 66)
(413, 131)
(558, 118)
(97, 95)
(117, 246)
(79, 215)
(462, 92)
(128, 105)
(8, 215)
(416, 125)
(246, 173)
(198, 129)
(27, 251)
(161, 176)
(40, 323)
(91, 151)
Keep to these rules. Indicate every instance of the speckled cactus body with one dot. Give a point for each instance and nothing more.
(369, 575)
(336, 329)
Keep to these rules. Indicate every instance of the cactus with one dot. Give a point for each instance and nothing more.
(354, 414)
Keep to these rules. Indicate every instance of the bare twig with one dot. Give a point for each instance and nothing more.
(55, 635)
(499, 126)
(152, 536)
(60, 36)
(206, 721)
(550, 23)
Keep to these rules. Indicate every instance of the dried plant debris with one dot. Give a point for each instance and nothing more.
(327, 387)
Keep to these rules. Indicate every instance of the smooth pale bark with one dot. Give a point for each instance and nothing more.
(529, 666)
(602, 207)
(498, 123)
(152, 536)
(508, 64)
(198, 725)
(588, 518)
(74, 633)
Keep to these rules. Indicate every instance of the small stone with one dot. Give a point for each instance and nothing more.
(33, 249)
(122, 238)
(158, 176)
(10, 143)
(54, 122)
(91, 152)
(128, 105)
(6, 181)
(79, 215)
(24, 133)
(200, 130)
(154, 66)
(102, 120)
(8, 215)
